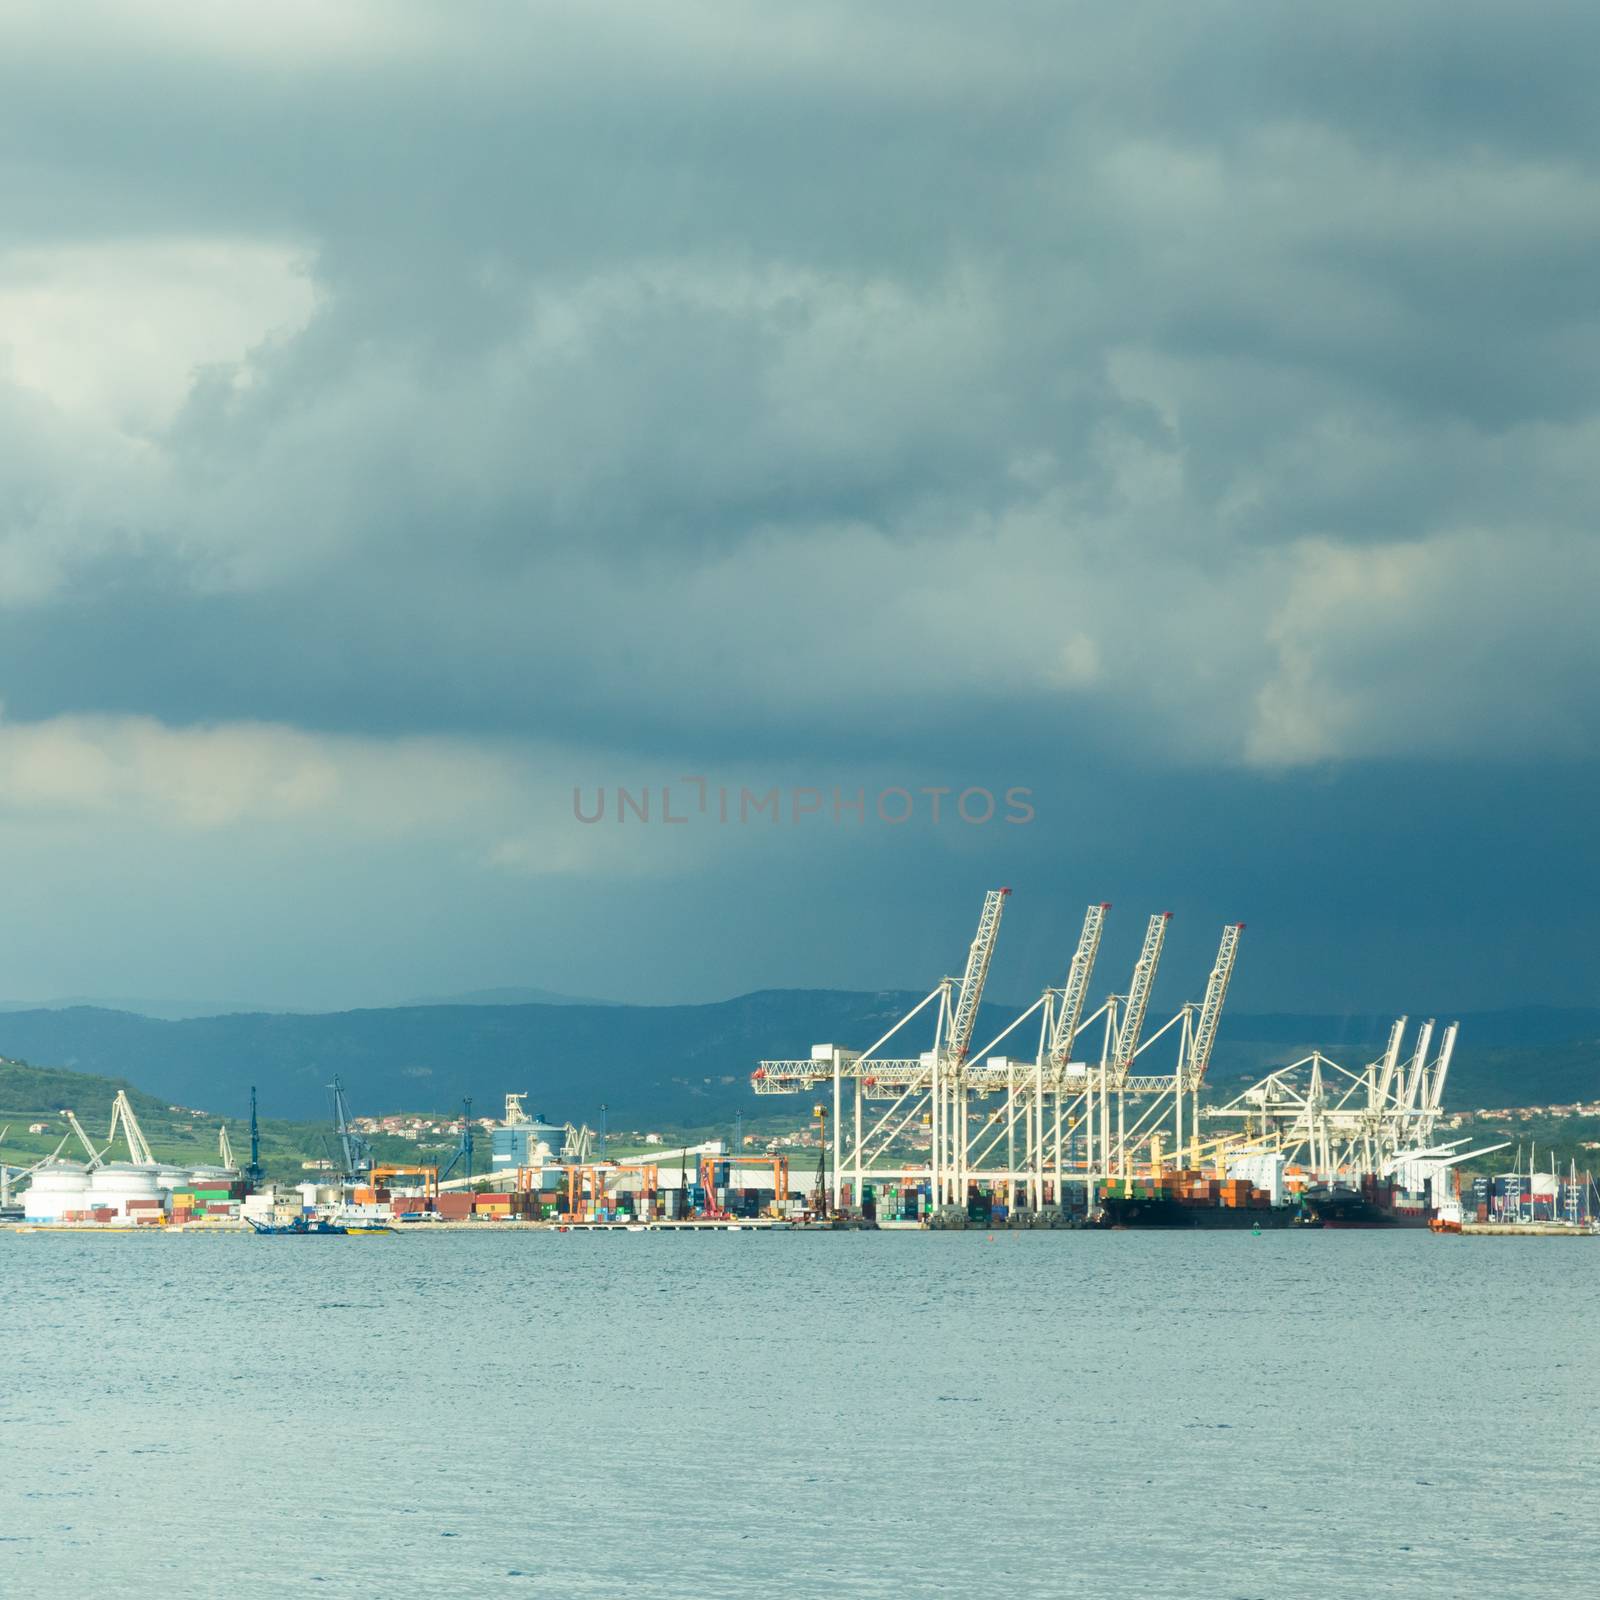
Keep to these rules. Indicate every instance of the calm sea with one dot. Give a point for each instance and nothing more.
(1283, 1415)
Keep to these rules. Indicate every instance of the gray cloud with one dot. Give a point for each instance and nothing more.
(1155, 395)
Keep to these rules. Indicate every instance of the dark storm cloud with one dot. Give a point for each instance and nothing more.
(1135, 398)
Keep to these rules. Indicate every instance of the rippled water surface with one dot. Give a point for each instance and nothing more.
(791, 1414)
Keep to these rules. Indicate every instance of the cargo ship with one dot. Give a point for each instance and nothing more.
(1189, 1200)
(1371, 1203)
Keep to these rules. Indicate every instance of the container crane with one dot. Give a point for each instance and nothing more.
(1205, 1031)
(1441, 1070)
(464, 1149)
(976, 975)
(1378, 1096)
(1070, 1012)
(224, 1148)
(1138, 1002)
(356, 1151)
(948, 1094)
(1419, 1059)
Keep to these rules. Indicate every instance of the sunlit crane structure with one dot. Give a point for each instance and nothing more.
(1339, 1121)
(1014, 1123)
(139, 1151)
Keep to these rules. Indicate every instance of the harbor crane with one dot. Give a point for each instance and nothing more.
(969, 998)
(1069, 1000)
(578, 1146)
(1138, 1000)
(463, 1151)
(1054, 1123)
(224, 1148)
(139, 1151)
(1337, 1120)
(354, 1148)
(10, 1175)
(253, 1173)
(95, 1157)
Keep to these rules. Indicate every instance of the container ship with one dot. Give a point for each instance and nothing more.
(1190, 1200)
(1371, 1202)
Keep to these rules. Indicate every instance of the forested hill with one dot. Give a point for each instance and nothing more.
(678, 1065)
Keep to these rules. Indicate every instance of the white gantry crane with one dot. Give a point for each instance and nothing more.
(965, 1010)
(924, 1092)
(1027, 1127)
(1138, 1001)
(1350, 1123)
(1068, 1001)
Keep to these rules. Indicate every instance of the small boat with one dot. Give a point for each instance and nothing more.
(299, 1226)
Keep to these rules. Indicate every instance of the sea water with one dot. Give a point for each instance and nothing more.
(773, 1414)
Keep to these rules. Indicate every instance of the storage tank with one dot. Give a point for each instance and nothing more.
(57, 1187)
(118, 1182)
(170, 1178)
(215, 1177)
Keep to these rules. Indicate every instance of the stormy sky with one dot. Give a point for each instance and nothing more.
(410, 413)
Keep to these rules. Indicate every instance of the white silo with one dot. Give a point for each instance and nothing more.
(57, 1188)
(118, 1182)
(170, 1177)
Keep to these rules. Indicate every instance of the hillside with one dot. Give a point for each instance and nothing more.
(676, 1065)
(30, 1095)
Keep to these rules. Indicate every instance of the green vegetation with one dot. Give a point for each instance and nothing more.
(1561, 1137)
(31, 1095)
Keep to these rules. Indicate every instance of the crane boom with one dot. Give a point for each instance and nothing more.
(1441, 1068)
(356, 1151)
(1419, 1059)
(1070, 1013)
(463, 1151)
(1391, 1058)
(1205, 1033)
(224, 1148)
(972, 981)
(139, 1151)
(1144, 977)
(83, 1138)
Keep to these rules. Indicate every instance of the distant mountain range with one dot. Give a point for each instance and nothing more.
(510, 997)
(678, 1065)
(170, 1010)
